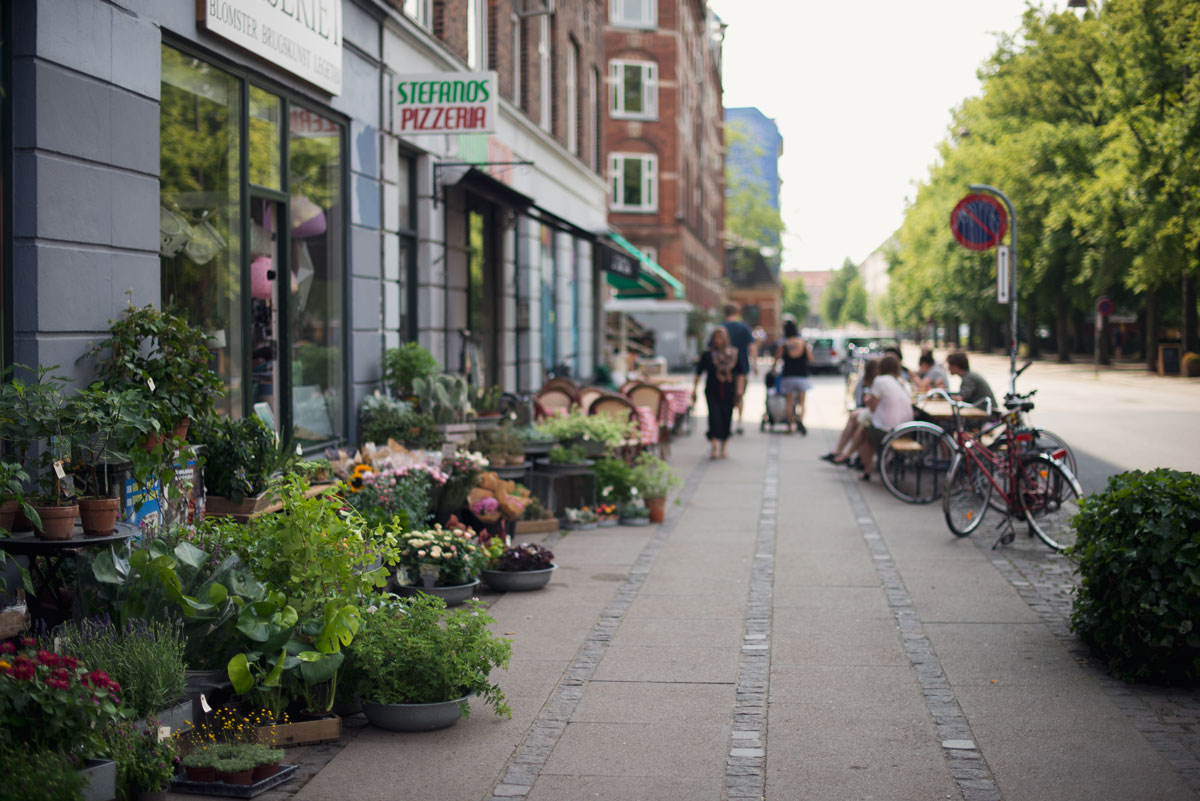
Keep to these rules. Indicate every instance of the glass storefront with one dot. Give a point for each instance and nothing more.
(232, 175)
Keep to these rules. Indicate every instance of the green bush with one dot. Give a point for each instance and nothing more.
(404, 365)
(1138, 601)
(38, 775)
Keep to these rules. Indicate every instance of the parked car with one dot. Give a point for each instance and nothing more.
(828, 351)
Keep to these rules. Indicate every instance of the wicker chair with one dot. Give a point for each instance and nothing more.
(566, 385)
(552, 401)
(589, 394)
(651, 397)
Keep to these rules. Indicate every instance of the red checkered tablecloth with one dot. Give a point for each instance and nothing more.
(648, 423)
(679, 400)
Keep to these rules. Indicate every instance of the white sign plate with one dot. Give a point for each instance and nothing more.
(1002, 274)
(303, 37)
(446, 102)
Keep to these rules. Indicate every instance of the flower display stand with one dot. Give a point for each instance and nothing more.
(305, 732)
(524, 527)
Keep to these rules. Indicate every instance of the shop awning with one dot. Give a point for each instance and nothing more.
(652, 280)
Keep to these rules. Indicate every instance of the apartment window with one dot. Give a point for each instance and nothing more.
(634, 90)
(420, 11)
(573, 97)
(634, 182)
(477, 33)
(516, 57)
(634, 13)
(651, 252)
(544, 77)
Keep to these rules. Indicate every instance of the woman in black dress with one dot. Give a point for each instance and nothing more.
(724, 386)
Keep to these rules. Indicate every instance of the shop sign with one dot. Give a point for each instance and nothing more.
(618, 263)
(303, 37)
(447, 102)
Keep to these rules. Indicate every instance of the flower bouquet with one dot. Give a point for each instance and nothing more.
(440, 558)
(606, 514)
(582, 518)
(522, 567)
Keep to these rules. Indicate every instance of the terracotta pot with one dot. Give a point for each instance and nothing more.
(181, 428)
(8, 513)
(265, 771)
(658, 509)
(242, 777)
(206, 773)
(21, 522)
(98, 516)
(58, 522)
(153, 441)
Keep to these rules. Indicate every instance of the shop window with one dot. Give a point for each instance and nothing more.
(634, 179)
(421, 11)
(282, 344)
(634, 90)
(549, 281)
(517, 57)
(573, 97)
(634, 13)
(477, 34)
(545, 58)
(408, 248)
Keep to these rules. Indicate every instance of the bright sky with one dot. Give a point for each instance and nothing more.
(862, 92)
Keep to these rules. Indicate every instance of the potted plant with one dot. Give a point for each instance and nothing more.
(607, 515)
(166, 359)
(535, 441)
(415, 664)
(596, 433)
(462, 474)
(145, 763)
(653, 478)
(402, 366)
(109, 422)
(240, 457)
(536, 519)
(582, 518)
(36, 419)
(445, 398)
(12, 496)
(565, 458)
(522, 567)
(237, 770)
(30, 774)
(266, 761)
(486, 403)
(200, 765)
(634, 513)
(439, 561)
(614, 481)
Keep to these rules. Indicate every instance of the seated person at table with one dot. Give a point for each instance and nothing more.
(930, 375)
(890, 404)
(973, 388)
(859, 417)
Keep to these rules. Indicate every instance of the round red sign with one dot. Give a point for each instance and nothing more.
(979, 222)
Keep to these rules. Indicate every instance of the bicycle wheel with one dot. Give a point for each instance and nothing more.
(1040, 441)
(915, 460)
(1049, 494)
(965, 500)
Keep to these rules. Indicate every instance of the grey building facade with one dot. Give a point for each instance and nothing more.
(268, 189)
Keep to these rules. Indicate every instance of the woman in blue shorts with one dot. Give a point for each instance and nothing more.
(793, 381)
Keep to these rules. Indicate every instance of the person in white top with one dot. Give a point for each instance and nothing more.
(890, 404)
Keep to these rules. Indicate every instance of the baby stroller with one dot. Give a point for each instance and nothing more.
(775, 412)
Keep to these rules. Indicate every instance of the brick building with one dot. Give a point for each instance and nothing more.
(664, 138)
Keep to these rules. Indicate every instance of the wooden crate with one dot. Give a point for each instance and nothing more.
(307, 732)
(524, 527)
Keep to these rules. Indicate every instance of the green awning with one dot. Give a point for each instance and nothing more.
(644, 285)
(658, 274)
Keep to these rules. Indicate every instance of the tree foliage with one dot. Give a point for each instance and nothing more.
(752, 224)
(845, 298)
(795, 298)
(1091, 125)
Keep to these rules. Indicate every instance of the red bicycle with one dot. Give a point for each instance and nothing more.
(1034, 486)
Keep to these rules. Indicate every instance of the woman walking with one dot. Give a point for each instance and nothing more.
(724, 386)
(793, 381)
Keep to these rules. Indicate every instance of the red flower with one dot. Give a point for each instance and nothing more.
(28, 642)
(113, 687)
(98, 679)
(23, 669)
(48, 658)
(69, 662)
(57, 682)
(7, 647)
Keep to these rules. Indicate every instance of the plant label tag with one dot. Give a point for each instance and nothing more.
(67, 485)
(58, 469)
(150, 383)
(204, 704)
(448, 451)
(58, 645)
(164, 733)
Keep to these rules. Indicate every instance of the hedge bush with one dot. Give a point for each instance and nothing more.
(1138, 601)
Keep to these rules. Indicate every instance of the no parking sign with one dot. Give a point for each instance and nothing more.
(978, 222)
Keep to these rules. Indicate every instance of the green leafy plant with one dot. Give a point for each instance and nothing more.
(145, 657)
(419, 653)
(614, 480)
(444, 396)
(633, 511)
(576, 425)
(38, 775)
(535, 511)
(234, 765)
(1138, 600)
(526, 556)
(165, 358)
(486, 400)
(145, 764)
(37, 420)
(653, 477)
(402, 366)
(241, 456)
(109, 424)
(406, 493)
(13, 478)
(567, 454)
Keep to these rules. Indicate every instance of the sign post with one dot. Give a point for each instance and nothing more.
(1104, 307)
(1002, 276)
(978, 222)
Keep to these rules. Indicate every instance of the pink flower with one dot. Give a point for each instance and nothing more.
(48, 658)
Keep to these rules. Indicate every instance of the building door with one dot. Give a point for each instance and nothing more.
(482, 362)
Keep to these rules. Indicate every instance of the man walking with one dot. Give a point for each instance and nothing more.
(742, 338)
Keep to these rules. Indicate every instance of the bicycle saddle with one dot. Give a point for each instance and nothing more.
(1021, 404)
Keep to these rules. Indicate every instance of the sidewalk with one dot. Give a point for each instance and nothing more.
(789, 633)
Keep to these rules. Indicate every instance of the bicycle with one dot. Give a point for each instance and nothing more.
(916, 456)
(1035, 487)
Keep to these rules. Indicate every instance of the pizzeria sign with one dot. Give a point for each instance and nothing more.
(446, 102)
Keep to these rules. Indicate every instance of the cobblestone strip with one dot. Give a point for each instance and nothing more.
(967, 765)
(1168, 717)
(745, 767)
(531, 755)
